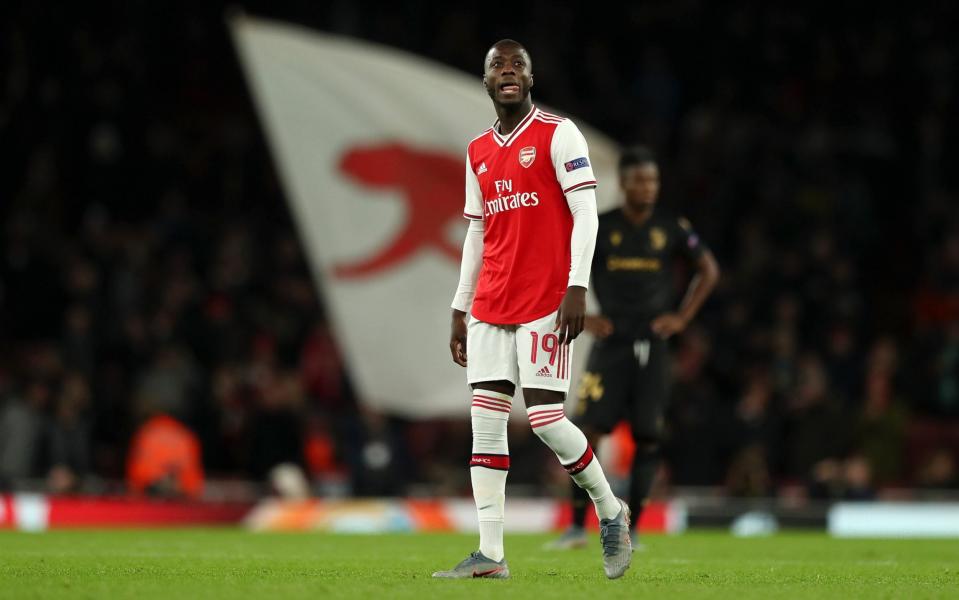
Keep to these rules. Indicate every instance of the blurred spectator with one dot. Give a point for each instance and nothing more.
(168, 384)
(945, 374)
(276, 435)
(879, 432)
(858, 479)
(755, 436)
(320, 449)
(70, 436)
(695, 438)
(815, 425)
(165, 460)
(940, 471)
(22, 426)
(381, 467)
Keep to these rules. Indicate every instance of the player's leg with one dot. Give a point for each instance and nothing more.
(489, 462)
(491, 372)
(575, 535)
(544, 372)
(602, 397)
(648, 409)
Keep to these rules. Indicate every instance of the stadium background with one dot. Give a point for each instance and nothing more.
(150, 264)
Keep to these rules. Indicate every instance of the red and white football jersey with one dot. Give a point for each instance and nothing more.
(517, 185)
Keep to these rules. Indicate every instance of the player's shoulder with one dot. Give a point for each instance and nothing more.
(559, 125)
(481, 139)
(669, 219)
(549, 118)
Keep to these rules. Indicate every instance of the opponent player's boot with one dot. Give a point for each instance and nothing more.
(476, 565)
(574, 537)
(617, 548)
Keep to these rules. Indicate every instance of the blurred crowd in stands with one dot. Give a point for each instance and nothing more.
(151, 280)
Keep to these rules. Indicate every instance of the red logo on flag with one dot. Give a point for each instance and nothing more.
(430, 185)
(526, 156)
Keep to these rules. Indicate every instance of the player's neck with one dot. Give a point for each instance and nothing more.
(637, 216)
(510, 116)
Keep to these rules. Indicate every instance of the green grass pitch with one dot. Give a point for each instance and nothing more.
(230, 563)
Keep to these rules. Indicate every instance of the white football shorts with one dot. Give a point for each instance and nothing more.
(528, 355)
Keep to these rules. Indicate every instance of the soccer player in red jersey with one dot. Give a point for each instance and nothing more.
(532, 209)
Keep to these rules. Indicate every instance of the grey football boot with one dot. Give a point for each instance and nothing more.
(574, 537)
(617, 547)
(476, 565)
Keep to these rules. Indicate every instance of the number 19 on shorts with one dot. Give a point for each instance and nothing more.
(549, 356)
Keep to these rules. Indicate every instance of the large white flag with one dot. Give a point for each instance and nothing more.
(370, 144)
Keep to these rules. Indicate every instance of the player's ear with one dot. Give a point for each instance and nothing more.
(530, 80)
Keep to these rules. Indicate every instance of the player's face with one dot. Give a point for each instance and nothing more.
(640, 185)
(508, 76)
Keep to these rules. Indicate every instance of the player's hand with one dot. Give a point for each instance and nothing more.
(458, 337)
(668, 325)
(599, 326)
(571, 315)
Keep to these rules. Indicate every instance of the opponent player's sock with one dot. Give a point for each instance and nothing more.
(488, 467)
(550, 424)
(645, 464)
(580, 500)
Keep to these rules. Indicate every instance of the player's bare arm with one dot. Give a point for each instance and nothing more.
(571, 317)
(700, 287)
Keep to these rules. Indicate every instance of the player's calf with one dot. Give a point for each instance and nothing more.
(550, 424)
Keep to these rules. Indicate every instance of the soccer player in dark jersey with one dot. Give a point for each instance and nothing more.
(628, 371)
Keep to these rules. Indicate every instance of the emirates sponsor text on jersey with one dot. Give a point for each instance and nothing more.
(507, 200)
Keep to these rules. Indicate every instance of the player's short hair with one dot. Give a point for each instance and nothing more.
(635, 155)
(508, 42)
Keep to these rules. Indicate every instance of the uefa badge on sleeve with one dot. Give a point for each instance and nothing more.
(526, 156)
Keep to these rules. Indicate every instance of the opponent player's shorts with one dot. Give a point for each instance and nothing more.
(528, 355)
(626, 380)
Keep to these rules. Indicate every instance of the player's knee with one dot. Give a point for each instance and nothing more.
(538, 397)
(500, 387)
(592, 435)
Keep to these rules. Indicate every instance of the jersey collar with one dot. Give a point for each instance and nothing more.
(508, 140)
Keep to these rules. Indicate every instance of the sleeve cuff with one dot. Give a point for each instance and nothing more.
(462, 304)
(472, 217)
(579, 186)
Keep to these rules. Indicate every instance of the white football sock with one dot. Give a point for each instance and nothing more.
(489, 466)
(550, 424)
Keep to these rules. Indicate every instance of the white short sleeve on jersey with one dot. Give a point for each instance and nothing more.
(570, 157)
(474, 196)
